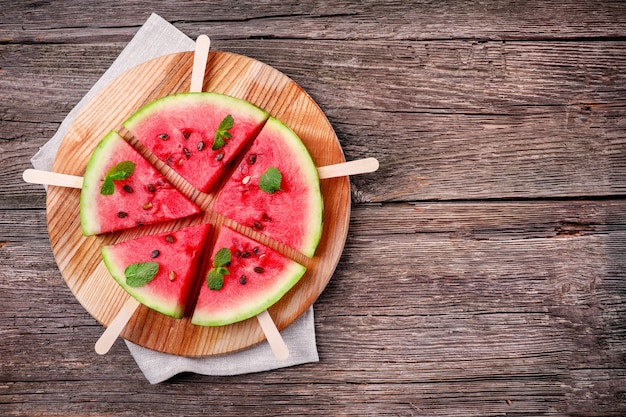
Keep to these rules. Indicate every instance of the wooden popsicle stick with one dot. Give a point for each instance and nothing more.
(112, 332)
(36, 176)
(203, 44)
(278, 345)
(358, 166)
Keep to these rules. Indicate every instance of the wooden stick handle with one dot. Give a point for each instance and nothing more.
(203, 44)
(279, 348)
(359, 166)
(35, 176)
(117, 325)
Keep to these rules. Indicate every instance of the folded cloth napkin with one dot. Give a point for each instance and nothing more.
(155, 38)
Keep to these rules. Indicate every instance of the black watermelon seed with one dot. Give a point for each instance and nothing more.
(164, 136)
(128, 188)
(259, 269)
(201, 145)
(122, 214)
(155, 253)
(170, 239)
(243, 279)
(252, 159)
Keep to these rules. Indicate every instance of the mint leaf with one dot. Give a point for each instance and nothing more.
(117, 172)
(270, 180)
(121, 171)
(214, 279)
(227, 123)
(107, 187)
(222, 132)
(141, 273)
(222, 258)
(218, 142)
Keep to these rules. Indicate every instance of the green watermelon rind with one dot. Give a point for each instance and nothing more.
(300, 151)
(200, 97)
(152, 301)
(91, 180)
(180, 111)
(253, 306)
(316, 209)
(108, 149)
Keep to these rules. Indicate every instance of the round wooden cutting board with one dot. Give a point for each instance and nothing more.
(79, 257)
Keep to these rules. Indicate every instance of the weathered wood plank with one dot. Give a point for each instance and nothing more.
(518, 301)
(438, 77)
(50, 22)
(453, 134)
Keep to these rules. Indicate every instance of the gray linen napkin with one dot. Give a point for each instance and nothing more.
(155, 38)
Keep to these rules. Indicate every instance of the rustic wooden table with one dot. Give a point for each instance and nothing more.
(485, 268)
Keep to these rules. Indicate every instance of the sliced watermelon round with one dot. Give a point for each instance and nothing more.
(121, 189)
(243, 283)
(276, 191)
(196, 134)
(158, 270)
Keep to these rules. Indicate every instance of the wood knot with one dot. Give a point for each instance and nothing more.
(359, 197)
(566, 229)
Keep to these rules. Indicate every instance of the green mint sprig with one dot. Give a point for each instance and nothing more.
(141, 273)
(222, 133)
(270, 180)
(215, 277)
(117, 172)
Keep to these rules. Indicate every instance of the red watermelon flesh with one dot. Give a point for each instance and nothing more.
(291, 215)
(144, 197)
(176, 254)
(180, 130)
(257, 277)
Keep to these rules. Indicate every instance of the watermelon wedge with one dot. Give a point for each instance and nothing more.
(121, 189)
(158, 270)
(275, 190)
(196, 134)
(245, 278)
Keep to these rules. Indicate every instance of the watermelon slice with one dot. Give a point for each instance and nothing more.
(197, 134)
(121, 190)
(250, 278)
(158, 270)
(276, 190)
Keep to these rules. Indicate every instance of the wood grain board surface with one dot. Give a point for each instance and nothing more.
(484, 272)
(78, 257)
